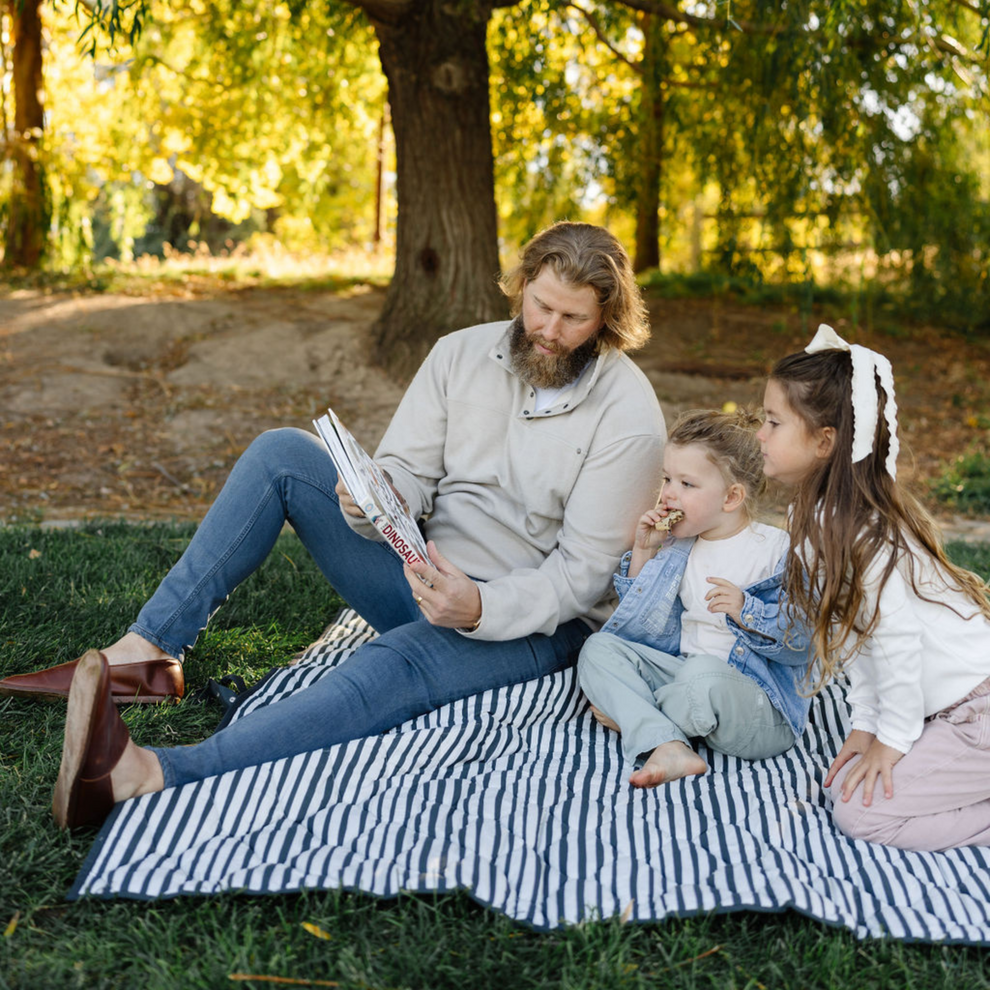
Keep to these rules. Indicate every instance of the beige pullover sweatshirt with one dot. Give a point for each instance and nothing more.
(539, 507)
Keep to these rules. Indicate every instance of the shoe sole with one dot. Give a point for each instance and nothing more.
(78, 730)
(117, 699)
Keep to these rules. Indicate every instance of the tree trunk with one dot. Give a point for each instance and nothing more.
(28, 211)
(654, 69)
(380, 179)
(434, 56)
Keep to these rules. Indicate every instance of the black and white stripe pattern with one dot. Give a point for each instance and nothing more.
(521, 797)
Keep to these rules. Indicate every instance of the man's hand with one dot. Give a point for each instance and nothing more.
(446, 595)
(876, 760)
(347, 504)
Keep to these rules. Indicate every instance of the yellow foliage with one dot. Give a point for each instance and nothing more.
(173, 142)
(251, 119)
(160, 171)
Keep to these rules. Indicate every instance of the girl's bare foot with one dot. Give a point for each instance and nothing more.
(669, 761)
(603, 719)
(132, 648)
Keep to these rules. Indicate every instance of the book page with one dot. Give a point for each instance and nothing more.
(371, 490)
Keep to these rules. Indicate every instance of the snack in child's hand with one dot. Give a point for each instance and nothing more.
(670, 520)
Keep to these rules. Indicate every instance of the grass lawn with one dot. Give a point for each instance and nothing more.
(64, 590)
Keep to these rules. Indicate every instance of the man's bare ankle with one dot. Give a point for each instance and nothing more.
(138, 772)
(132, 648)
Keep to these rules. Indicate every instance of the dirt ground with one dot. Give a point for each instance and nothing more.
(118, 405)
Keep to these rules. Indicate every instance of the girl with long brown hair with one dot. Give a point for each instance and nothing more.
(909, 629)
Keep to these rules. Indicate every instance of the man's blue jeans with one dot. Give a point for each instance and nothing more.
(410, 669)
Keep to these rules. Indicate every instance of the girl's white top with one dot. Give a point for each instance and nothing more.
(922, 657)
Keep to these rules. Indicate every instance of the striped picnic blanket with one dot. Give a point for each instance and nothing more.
(520, 797)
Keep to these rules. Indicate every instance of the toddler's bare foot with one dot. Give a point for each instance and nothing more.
(669, 761)
(603, 719)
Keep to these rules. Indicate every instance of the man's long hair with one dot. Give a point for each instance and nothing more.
(583, 254)
(849, 519)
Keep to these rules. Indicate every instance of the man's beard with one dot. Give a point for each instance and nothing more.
(547, 370)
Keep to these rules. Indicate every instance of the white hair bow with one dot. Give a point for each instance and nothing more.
(865, 364)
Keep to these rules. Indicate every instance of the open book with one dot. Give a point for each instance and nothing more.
(371, 490)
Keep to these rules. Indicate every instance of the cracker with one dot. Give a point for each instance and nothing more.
(670, 520)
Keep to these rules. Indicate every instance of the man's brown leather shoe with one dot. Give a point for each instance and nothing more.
(146, 681)
(95, 740)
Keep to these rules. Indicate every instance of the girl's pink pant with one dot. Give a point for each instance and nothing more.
(941, 788)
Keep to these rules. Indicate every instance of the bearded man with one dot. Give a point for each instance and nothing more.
(527, 449)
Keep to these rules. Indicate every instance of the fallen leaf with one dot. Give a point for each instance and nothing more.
(687, 962)
(316, 931)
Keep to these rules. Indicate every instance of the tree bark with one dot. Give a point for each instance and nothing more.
(380, 179)
(651, 109)
(28, 215)
(434, 56)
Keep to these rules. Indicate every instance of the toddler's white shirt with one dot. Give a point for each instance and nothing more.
(749, 556)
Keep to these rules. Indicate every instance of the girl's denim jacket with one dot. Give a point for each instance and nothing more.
(773, 649)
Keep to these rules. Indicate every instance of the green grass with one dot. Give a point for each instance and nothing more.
(64, 590)
(964, 483)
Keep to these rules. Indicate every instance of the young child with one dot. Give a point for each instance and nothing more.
(909, 629)
(687, 652)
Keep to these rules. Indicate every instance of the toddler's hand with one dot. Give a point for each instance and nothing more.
(725, 597)
(648, 537)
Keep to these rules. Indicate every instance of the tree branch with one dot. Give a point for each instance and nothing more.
(603, 38)
(181, 74)
(942, 42)
(387, 11)
(637, 67)
(969, 6)
(949, 46)
(670, 13)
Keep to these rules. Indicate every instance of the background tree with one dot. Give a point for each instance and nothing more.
(220, 114)
(557, 107)
(27, 201)
(434, 55)
(785, 123)
(792, 128)
(274, 113)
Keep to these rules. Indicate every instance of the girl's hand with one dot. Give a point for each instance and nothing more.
(725, 597)
(857, 743)
(876, 759)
